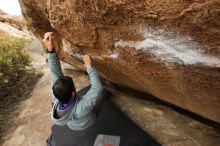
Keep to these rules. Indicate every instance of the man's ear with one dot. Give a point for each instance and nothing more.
(73, 94)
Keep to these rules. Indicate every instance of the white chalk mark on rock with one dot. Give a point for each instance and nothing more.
(168, 47)
(69, 50)
(67, 46)
(78, 56)
(113, 55)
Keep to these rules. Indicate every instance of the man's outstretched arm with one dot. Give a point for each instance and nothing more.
(54, 67)
(88, 101)
(53, 60)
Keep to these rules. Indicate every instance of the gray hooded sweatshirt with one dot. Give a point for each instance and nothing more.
(80, 115)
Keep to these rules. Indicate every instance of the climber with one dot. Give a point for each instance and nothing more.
(68, 108)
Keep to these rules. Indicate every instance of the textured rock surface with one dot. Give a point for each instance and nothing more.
(168, 48)
(15, 21)
(13, 25)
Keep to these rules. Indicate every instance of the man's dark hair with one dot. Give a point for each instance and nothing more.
(63, 88)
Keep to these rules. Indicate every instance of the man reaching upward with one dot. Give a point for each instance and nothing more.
(68, 108)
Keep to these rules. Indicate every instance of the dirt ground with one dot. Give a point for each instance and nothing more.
(169, 127)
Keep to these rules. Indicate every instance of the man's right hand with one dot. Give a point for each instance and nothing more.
(87, 61)
(48, 41)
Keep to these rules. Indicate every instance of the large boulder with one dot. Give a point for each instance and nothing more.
(167, 48)
(13, 25)
(15, 21)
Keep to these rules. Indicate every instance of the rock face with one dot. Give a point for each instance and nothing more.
(15, 21)
(13, 25)
(167, 48)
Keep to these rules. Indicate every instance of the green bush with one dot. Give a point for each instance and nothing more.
(13, 61)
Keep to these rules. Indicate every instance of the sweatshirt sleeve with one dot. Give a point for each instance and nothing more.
(88, 101)
(55, 70)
